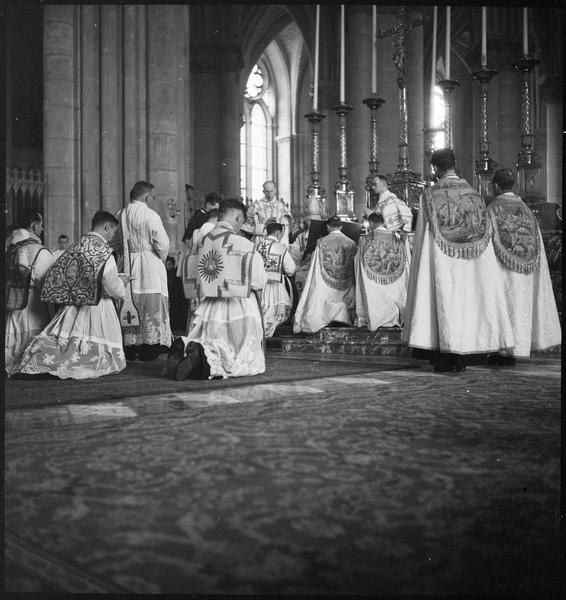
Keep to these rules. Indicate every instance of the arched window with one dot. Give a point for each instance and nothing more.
(438, 117)
(256, 138)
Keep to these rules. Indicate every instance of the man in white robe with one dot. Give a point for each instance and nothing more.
(275, 300)
(148, 248)
(27, 264)
(519, 248)
(329, 291)
(268, 208)
(226, 339)
(382, 274)
(396, 214)
(83, 340)
(455, 300)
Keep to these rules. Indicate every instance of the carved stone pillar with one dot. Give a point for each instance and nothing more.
(59, 130)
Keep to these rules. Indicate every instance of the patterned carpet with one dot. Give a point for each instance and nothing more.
(398, 483)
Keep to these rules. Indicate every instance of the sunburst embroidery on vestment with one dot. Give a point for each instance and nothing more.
(210, 265)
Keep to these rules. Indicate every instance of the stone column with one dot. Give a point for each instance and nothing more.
(229, 116)
(415, 95)
(358, 87)
(90, 114)
(552, 90)
(162, 110)
(134, 99)
(111, 133)
(59, 124)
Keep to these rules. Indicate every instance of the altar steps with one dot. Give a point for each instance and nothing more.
(341, 340)
(348, 340)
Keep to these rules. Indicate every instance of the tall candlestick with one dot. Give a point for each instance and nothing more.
(525, 31)
(342, 56)
(483, 36)
(316, 44)
(447, 49)
(374, 52)
(433, 68)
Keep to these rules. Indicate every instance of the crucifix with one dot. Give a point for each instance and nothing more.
(405, 183)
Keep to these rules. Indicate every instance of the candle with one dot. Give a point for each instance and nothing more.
(447, 49)
(316, 44)
(342, 57)
(525, 31)
(483, 36)
(433, 66)
(374, 52)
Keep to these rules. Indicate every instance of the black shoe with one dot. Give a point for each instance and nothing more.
(131, 353)
(189, 366)
(176, 355)
(499, 360)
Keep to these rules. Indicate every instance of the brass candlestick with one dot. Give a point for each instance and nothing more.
(316, 195)
(528, 163)
(373, 103)
(343, 187)
(448, 86)
(485, 165)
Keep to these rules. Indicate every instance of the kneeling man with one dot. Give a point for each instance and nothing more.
(275, 300)
(84, 338)
(226, 339)
(329, 291)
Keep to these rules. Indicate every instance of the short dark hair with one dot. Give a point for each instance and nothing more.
(140, 188)
(213, 213)
(212, 198)
(29, 216)
(171, 259)
(188, 187)
(63, 236)
(376, 218)
(334, 221)
(273, 227)
(102, 217)
(443, 159)
(504, 178)
(382, 178)
(232, 204)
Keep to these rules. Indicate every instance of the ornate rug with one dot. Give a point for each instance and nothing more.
(412, 484)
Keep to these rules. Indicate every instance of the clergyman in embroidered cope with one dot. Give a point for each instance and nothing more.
(329, 291)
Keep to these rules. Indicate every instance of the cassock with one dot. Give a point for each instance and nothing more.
(228, 322)
(329, 291)
(149, 245)
(26, 314)
(523, 267)
(455, 297)
(275, 299)
(382, 274)
(83, 340)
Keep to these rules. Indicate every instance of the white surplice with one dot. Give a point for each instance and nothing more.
(380, 304)
(81, 342)
(275, 299)
(230, 329)
(320, 303)
(149, 246)
(454, 305)
(23, 325)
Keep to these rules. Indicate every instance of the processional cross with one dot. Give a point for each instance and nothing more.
(405, 182)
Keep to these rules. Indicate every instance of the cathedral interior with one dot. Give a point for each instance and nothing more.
(332, 473)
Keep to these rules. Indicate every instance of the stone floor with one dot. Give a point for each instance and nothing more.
(510, 412)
